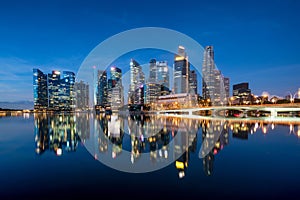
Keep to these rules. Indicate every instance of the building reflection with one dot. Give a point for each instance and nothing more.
(215, 136)
(160, 138)
(55, 133)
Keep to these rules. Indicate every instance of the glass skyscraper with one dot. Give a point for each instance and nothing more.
(213, 82)
(40, 90)
(163, 78)
(181, 72)
(55, 92)
(193, 82)
(208, 76)
(101, 95)
(82, 95)
(137, 81)
(115, 89)
(158, 82)
(67, 91)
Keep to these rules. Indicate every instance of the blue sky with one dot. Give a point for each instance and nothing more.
(254, 41)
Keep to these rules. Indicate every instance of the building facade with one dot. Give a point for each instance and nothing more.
(193, 82)
(40, 90)
(242, 92)
(214, 86)
(137, 81)
(82, 95)
(101, 95)
(181, 72)
(115, 89)
(54, 92)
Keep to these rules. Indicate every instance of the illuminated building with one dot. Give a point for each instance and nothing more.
(40, 90)
(101, 95)
(82, 95)
(242, 92)
(183, 100)
(163, 77)
(54, 90)
(226, 82)
(67, 92)
(208, 78)
(153, 71)
(181, 72)
(213, 86)
(158, 82)
(115, 89)
(152, 91)
(61, 91)
(193, 82)
(137, 80)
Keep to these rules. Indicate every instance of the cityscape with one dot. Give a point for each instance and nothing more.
(150, 99)
(60, 91)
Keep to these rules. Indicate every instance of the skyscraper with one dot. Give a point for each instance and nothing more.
(208, 68)
(55, 93)
(137, 80)
(163, 77)
(181, 72)
(40, 90)
(153, 71)
(82, 95)
(54, 89)
(115, 89)
(213, 87)
(193, 82)
(158, 82)
(101, 95)
(226, 82)
(66, 91)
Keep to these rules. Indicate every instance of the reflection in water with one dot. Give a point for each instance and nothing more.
(158, 139)
(58, 133)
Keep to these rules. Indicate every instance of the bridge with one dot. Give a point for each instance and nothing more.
(270, 108)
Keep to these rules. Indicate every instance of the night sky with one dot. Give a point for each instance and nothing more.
(254, 41)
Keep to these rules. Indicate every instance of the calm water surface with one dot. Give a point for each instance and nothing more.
(66, 156)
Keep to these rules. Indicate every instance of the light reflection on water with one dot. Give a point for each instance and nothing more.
(61, 153)
(151, 140)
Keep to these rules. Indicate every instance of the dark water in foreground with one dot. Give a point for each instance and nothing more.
(62, 156)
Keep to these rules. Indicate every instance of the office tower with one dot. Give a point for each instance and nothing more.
(82, 95)
(153, 71)
(101, 95)
(208, 68)
(40, 90)
(226, 82)
(115, 89)
(66, 91)
(193, 82)
(57, 93)
(158, 82)
(181, 72)
(213, 87)
(137, 81)
(152, 91)
(242, 92)
(217, 93)
(54, 89)
(163, 77)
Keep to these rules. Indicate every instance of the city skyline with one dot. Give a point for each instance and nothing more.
(259, 36)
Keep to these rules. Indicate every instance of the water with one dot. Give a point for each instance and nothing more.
(67, 156)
